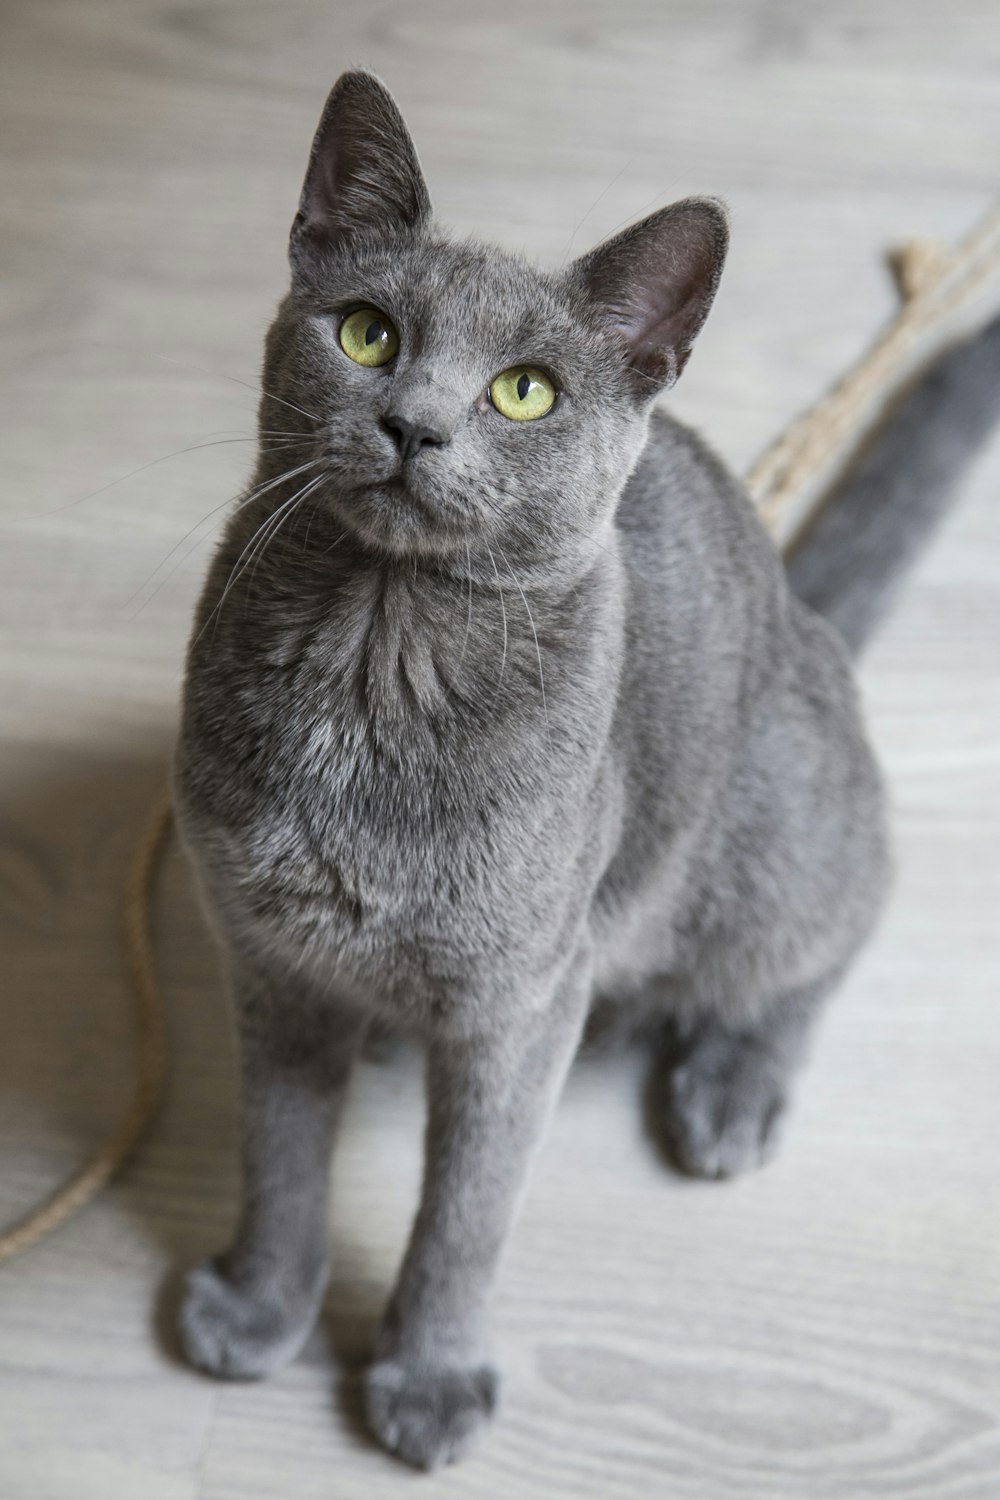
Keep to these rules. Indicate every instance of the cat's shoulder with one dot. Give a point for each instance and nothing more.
(681, 487)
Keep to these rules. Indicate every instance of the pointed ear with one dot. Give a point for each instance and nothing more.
(363, 172)
(654, 283)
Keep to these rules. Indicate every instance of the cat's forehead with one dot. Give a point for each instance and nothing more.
(442, 291)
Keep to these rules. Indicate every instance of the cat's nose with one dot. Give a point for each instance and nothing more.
(410, 437)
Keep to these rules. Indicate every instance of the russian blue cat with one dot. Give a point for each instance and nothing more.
(500, 711)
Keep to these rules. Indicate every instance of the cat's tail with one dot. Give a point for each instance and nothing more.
(850, 560)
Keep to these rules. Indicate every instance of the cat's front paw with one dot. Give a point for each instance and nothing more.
(231, 1331)
(428, 1415)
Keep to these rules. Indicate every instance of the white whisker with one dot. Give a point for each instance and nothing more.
(255, 494)
(239, 567)
(284, 513)
(468, 622)
(503, 609)
(132, 473)
(534, 632)
(221, 375)
(580, 222)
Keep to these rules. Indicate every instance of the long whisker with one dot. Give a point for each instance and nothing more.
(240, 505)
(573, 530)
(534, 632)
(254, 494)
(468, 622)
(309, 415)
(580, 222)
(221, 375)
(663, 196)
(503, 610)
(177, 453)
(259, 537)
(246, 556)
(285, 513)
(234, 574)
(335, 543)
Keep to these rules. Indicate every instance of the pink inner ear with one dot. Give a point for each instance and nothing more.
(656, 282)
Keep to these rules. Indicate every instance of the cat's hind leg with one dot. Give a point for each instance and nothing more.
(718, 1092)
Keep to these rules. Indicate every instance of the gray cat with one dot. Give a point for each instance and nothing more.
(500, 711)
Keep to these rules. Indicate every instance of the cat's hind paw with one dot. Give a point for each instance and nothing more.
(724, 1111)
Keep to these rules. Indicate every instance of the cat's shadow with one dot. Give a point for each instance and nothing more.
(68, 832)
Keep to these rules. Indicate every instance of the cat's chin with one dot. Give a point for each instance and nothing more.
(391, 518)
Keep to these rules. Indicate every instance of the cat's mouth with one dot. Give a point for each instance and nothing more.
(406, 491)
(396, 514)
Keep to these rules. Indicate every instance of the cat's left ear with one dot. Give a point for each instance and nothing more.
(654, 284)
(363, 172)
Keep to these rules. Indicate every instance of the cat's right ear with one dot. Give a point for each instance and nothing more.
(653, 285)
(363, 173)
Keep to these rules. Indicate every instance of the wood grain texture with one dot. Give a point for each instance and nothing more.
(829, 1330)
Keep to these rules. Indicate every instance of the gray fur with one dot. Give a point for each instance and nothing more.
(478, 743)
(850, 562)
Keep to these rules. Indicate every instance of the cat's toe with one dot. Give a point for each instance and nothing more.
(722, 1126)
(427, 1416)
(231, 1332)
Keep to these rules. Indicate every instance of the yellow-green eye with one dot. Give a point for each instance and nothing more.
(368, 337)
(522, 393)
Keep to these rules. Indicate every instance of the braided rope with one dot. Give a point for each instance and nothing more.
(933, 284)
(148, 1085)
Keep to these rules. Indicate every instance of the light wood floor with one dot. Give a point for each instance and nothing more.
(829, 1330)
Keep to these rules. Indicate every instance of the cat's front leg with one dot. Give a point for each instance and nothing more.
(250, 1310)
(432, 1386)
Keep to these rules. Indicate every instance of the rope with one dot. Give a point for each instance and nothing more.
(148, 1086)
(933, 284)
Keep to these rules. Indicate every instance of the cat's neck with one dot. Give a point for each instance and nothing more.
(426, 646)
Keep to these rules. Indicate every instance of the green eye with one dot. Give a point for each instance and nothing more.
(522, 393)
(368, 337)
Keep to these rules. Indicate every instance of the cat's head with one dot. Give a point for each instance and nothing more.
(458, 394)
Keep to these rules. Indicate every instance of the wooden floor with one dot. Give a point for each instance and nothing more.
(829, 1330)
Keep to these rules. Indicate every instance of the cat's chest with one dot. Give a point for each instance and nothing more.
(387, 844)
(321, 777)
(402, 803)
